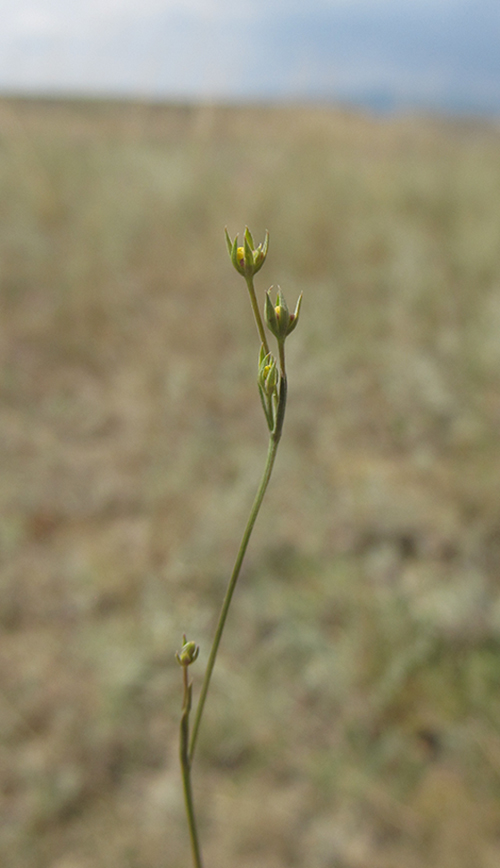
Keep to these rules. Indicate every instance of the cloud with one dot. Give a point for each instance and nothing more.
(64, 17)
(61, 18)
(251, 48)
(181, 47)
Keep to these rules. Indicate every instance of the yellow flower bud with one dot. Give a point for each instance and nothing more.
(247, 259)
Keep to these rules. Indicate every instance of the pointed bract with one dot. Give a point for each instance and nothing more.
(270, 314)
(248, 252)
(228, 242)
(265, 244)
(294, 318)
(248, 237)
(262, 355)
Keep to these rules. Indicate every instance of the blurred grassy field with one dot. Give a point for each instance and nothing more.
(354, 716)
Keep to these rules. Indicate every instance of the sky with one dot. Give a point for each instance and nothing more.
(431, 53)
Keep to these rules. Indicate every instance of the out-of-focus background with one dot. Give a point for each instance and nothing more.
(354, 715)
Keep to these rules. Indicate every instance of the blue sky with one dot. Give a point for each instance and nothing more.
(434, 53)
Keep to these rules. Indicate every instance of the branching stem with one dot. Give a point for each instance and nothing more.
(186, 770)
(256, 313)
(271, 455)
(273, 398)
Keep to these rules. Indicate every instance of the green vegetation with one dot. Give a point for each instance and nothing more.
(354, 709)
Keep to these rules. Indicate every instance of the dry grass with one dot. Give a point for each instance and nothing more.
(354, 715)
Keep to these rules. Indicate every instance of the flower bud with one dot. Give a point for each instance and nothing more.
(268, 375)
(247, 259)
(188, 654)
(278, 318)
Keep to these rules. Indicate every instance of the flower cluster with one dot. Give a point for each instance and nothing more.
(248, 260)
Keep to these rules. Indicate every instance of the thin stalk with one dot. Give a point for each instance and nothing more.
(256, 313)
(281, 351)
(186, 772)
(280, 412)
(271, 455)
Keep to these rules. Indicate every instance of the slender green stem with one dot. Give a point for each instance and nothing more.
(274, 404)
(281, 351)
(280, 411)
(256, 313)
(186, 771)
(271, 455)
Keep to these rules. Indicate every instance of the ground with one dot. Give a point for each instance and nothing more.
(353, 718)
